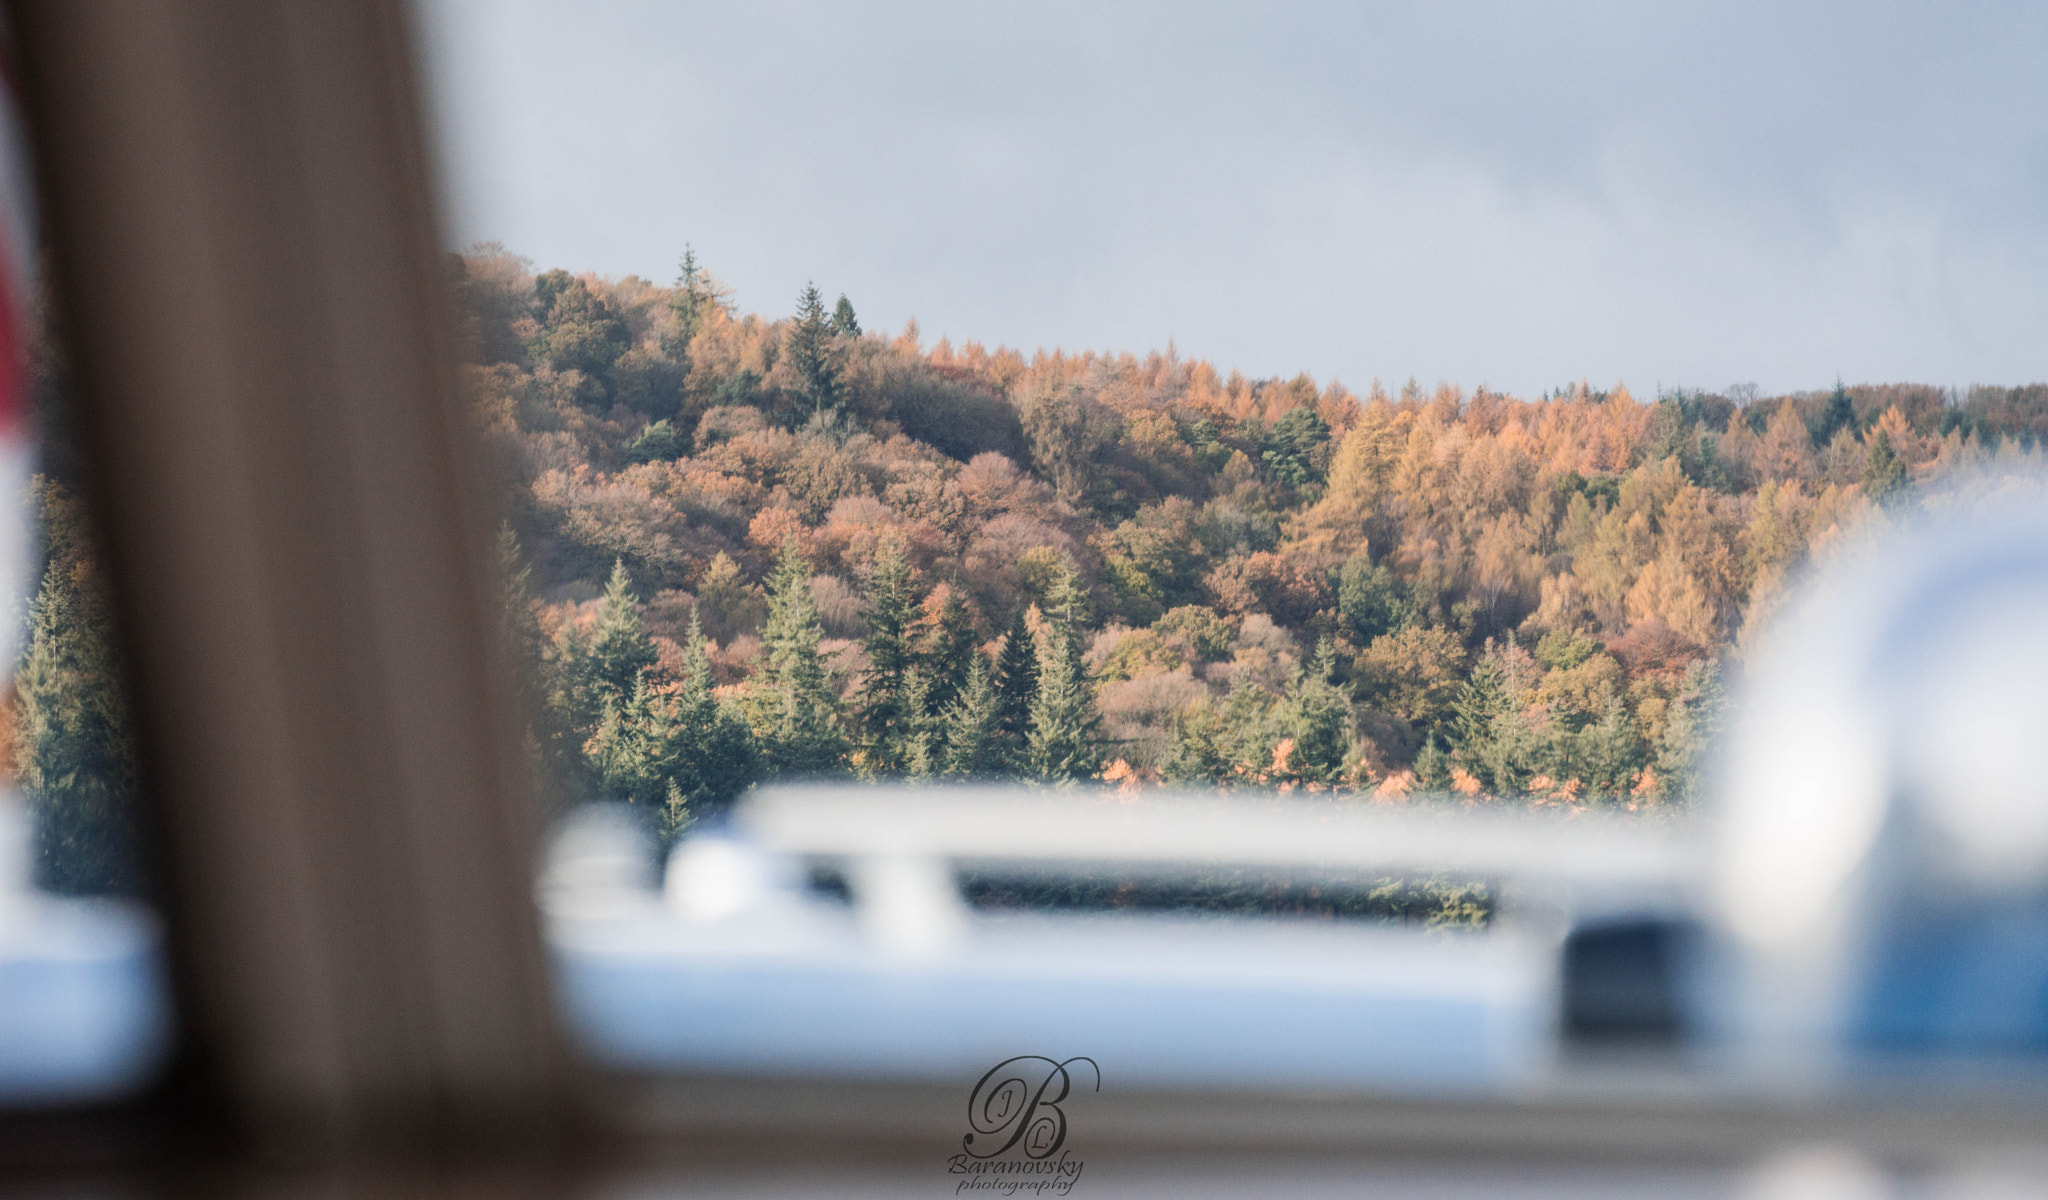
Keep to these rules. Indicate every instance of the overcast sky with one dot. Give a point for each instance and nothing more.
(1519, 195)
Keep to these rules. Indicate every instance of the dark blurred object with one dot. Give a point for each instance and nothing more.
(243, 242)
(1621, 981)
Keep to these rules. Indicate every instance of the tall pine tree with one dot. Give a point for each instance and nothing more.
(1319, 721)
(809, 349)
(1016, 684)
(972, 726)
(948, 646)
(790, 702)
(881, 712)
(1065, 739)
(618, 649)
(844, 323)
(74, 740)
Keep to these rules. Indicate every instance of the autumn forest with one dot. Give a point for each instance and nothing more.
(746, 546)
(740, 547)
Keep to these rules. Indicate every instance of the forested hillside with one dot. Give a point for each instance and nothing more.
(749, 547)
(741, 547)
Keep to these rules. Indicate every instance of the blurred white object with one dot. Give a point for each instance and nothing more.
(908, 903)
(1884, 805)
(712, 878)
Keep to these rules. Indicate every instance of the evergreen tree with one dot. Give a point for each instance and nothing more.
(1195, 752)
(1065, 741)
(718, 758)
(1016, 685)
(923, 734)
(1610, 750)
(75, 741)
(1884, 475)
(880, 709)
(1480, 699)
(1840, 413)
(545, 702)
(1690, 729)
(580, 330)
(1289, 448)
(949, 649)
(1319, 720)
(972, 726)
(659, 442)
(1372, 600)
(1432, 766)
(690, 304)
(607, 663)
(844, 323)
(1249, 731)
(790, 702)
(809, 349)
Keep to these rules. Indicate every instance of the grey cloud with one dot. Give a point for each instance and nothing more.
(1483, 192)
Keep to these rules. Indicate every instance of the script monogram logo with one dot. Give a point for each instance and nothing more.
(1018, 1102)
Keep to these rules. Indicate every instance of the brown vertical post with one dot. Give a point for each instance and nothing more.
(240, 209)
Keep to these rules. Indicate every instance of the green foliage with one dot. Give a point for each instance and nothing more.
(883, 713)
(1372, 600)
(1152, 562)
(1884, 476)
(1292, 448)
(659, 442)
(678, 752)
(1070, 432)
(972, 726)
(1319, 720)
(74, 738)
(580, 330)
(948, 650)
(808, 347)
(618, 649)
(1839, 413)
(1016, 686)
(1564, 649)
(1065, 741)
(790, 704)
(844, 323)
(1691, 729)
(1206, 631)
(695, 296)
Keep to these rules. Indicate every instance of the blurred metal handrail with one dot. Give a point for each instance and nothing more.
(1169, 834)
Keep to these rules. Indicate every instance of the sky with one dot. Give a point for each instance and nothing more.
(1515, 195)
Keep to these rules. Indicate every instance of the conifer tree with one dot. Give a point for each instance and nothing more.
(1884, 475)
(719, 759)
(949, 648)
(844, 323)
(619, 646)
(1610, 750)
(690, 303)
(1690, 730)
(972, 726)
(1480, 700)
(922, 741)
(75, 743)
(881, 711)
(1432, 766)
(1840, 413)
(808, 346)
(1065, 740)
(1016, 683)
(544, 698)
(1319, 720)
(1194, 752)
(790, 702)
